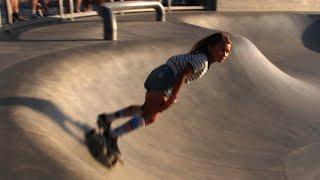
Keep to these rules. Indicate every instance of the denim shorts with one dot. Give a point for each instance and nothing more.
(161, 79)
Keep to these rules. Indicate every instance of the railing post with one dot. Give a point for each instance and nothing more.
(61, 12)
(211, 5)
(169, 5)
(109, 24)
(160, 14)
(71, 8)
(109, 18)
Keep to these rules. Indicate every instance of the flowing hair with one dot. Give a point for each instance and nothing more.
(216, 38)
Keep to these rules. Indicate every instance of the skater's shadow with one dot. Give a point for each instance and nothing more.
(49, 109)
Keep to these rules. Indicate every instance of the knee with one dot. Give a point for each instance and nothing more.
(137, 122)
(151, 119)
(135, 109)
(151, 109)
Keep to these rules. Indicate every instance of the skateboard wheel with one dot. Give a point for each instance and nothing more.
(91, 132)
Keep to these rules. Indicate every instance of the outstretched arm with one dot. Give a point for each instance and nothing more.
(178, 83)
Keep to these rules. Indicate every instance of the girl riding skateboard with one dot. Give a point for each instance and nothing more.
(164, 83)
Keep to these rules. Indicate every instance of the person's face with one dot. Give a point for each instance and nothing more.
(219, 52)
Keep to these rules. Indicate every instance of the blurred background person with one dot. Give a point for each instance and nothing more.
(15, 11)
(78, 6)
(45, 8)
(36, 12)
(40, 9)
(87, 4)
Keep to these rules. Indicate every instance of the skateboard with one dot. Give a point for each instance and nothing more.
(97, 143)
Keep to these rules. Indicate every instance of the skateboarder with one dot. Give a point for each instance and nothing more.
(164, 83)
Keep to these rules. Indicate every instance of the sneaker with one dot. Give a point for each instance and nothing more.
(40, 13)
(35, 16)
(17, 17)
(114, 144)
(104, 121)
(39, 10)
(113, 148)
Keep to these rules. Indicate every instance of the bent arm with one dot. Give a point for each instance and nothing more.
(176, 87)
(179, 81)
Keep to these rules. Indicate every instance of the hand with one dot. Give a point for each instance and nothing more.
(166, 104)
(172, 99)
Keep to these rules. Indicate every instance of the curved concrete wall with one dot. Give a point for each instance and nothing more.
(246, 119)
(289, 40)
(239, 122)
(268, 5)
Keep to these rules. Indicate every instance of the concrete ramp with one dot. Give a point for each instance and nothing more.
(289, 40)
(268, 5)
(246, 119)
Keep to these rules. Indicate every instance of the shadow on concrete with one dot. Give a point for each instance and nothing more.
(311, 36)
(57, 40)
(49, 109)
(15, 35)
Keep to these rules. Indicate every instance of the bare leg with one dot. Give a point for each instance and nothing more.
(46, 10)
(100, 2)
(132, 110)
(151, 108)
(144, 115)
(78, 6)
(86, 5)
(46, 4)
(15, 11)
(15, 6)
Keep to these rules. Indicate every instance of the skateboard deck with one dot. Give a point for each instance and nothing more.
(96, 142)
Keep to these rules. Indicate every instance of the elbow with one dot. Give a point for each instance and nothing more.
(182, 77)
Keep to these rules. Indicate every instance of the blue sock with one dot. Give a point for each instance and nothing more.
(133, 124)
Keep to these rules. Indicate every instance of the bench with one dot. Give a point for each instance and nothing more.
(109, 19)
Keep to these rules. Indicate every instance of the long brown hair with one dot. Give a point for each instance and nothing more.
(202, 45)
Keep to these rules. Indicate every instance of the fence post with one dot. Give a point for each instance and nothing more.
(71, 8)
(109, 24)
(61, 12)
(9, 11)
(211, 5)
(169, 4)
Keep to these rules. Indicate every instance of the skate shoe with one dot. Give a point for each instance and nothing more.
(16, 17)
(104, 121)
(111, 144)
(114, 145)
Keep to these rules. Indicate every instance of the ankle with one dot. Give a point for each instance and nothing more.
(106, 118)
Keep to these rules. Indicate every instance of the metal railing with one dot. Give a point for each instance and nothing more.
(7, 24)
(110, 21)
